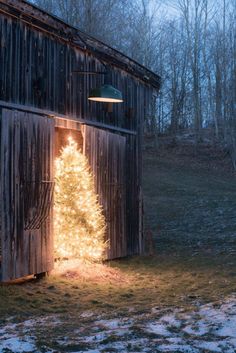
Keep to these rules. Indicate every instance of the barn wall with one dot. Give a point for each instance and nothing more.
(36, 70)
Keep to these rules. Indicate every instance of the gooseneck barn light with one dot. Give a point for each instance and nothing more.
(105, 93)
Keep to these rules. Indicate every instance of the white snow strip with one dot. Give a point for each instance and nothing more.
(114, 324)
(184, 348)
(90, 351)
(51, 320)
(87, 314)
(175, 340)
(94, 338)
(158, 329)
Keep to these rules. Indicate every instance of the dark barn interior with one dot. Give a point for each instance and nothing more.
(43, 97)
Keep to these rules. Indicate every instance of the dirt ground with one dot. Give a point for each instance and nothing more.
(181, 298)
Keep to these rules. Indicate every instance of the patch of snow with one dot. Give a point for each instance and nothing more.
(90, 351)
(171, 320)
(212, 315)
(198, 330)
(139, 342)
(233, 342)
(175, 340)
(120, 346)
(99, 337)
(114, 324)
(155, 310)
(210, 346)
(111, 324)
(120, 332)
(158, 329)
(16, 345)
(87, 314)
(184, 348)
(229, 306)
(8, 327)
(227, 329)
(51, 320)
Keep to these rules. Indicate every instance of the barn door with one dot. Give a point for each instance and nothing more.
(27, 142)
(106, 154)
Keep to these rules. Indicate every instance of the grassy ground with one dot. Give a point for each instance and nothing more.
(190, 209)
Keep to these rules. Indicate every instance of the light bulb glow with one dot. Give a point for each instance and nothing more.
(79, 224)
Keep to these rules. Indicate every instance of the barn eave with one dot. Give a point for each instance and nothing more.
(44, 21)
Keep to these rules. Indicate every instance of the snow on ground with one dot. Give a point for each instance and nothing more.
(208, 328)
(14, 344)
(18, 338)
(158, 329)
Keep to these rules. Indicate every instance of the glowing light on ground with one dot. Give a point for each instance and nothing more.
(78, 270)
(79, 224)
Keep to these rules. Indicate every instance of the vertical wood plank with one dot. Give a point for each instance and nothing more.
(106, 154)
(27, 154)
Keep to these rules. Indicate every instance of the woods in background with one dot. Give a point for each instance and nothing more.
(191, 44)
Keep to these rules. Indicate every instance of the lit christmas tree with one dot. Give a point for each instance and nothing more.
(79, 224)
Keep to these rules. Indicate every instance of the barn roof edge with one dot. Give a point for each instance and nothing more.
(40, 18)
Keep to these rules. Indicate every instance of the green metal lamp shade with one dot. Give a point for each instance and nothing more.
(106, 93)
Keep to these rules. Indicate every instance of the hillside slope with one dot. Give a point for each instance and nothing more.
(190, 207)
(190, 202)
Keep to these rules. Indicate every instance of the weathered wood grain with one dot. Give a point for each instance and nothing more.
(106, 153)
(27, 156)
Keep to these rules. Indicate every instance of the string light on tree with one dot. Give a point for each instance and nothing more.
(79, 224)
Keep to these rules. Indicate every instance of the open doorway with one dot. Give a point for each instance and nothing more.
(79, 222)
(61, 139)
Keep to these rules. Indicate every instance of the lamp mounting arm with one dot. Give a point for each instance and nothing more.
(106, 93)
(91, 72)
(84, 72)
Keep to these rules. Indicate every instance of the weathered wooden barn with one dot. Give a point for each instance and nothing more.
(46, 75)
